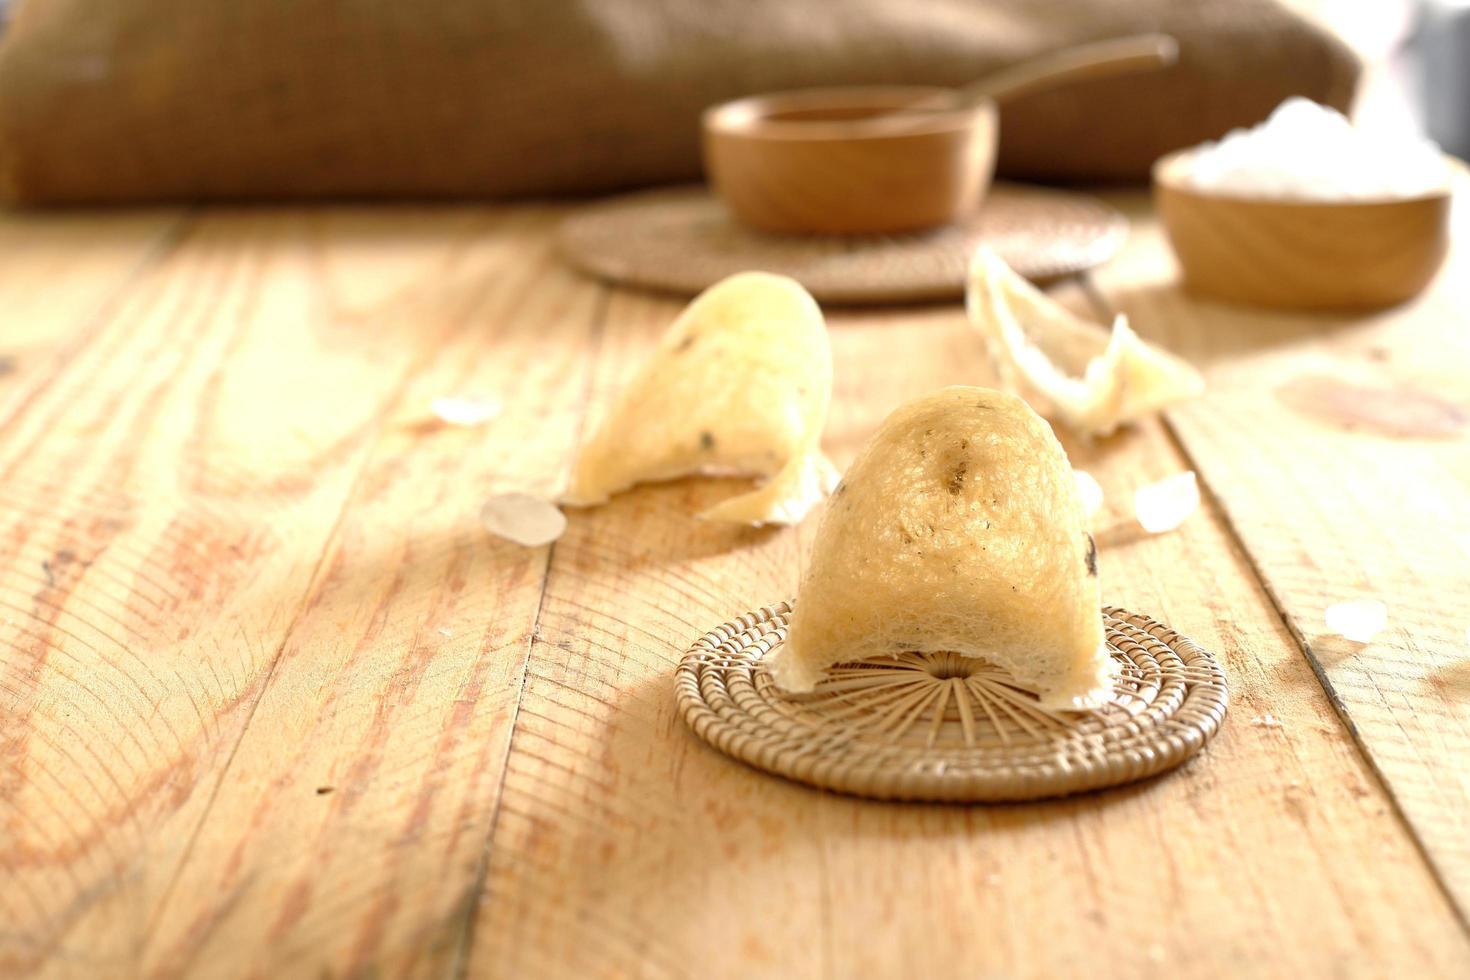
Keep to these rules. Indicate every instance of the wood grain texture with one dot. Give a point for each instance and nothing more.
(168, 499)
(271, 704)
(348, 835)
(663, 858)
(59, 273)
(1339, 449)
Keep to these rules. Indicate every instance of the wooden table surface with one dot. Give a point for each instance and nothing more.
(273, 704)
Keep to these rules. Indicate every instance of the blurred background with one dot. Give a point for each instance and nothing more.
(141, 100)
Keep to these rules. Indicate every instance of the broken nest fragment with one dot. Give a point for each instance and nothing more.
(1089, 379)
(740, 384)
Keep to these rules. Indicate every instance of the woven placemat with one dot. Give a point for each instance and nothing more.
(682, 240)
(947, 728)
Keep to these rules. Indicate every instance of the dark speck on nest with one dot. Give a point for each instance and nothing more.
(706, 440)
(957, 478)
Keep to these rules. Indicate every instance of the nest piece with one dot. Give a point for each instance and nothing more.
(739, 384)
(959, 527)
(945, 728)
(1072, 371)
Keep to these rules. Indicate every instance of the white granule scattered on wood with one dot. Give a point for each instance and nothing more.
(465, 411)
(1359, 620)
(1165, 505)
(524, 519)
(1090, 492)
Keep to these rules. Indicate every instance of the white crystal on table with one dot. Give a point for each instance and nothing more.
(466, 411)
(1165, 505)
(1359, 620)
(1305, 151)
(1090, 491)
(524, 519)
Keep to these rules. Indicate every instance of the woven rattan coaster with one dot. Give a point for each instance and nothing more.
(681, 239)
(944, 727)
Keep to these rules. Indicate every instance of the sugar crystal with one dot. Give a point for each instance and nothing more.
(1090, 492)
(1163, 506)
(1358, 620)
(453, 410)
(524, 519)
(1306, 151)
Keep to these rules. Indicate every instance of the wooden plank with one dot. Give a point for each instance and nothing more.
(625, 847)
(166, 503)
(1339, 449)
(348, 835)
(58, 275)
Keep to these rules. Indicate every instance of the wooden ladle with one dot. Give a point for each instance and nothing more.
(1100, 59)
(884, 159)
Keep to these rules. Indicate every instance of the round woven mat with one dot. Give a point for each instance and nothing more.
(681, 239)
(948, 728)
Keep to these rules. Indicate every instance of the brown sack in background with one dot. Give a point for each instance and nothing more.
(131, 100)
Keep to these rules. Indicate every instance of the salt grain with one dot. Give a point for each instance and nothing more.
(464, 411)
(524, 519)
(1163, 506)
(1090, 492)
(1359, 620)
(1266, 721)
(1306, 151)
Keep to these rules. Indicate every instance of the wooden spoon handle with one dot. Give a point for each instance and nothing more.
(1097, 60)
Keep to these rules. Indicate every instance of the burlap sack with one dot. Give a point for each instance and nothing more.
(129, 100)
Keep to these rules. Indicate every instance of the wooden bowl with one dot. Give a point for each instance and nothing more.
(1305, 255)
(840, 161)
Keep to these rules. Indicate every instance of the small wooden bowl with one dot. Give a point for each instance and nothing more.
(1304, 255)
(838, 161)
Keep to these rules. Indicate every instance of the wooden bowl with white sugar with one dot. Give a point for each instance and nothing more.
(1300, 254)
